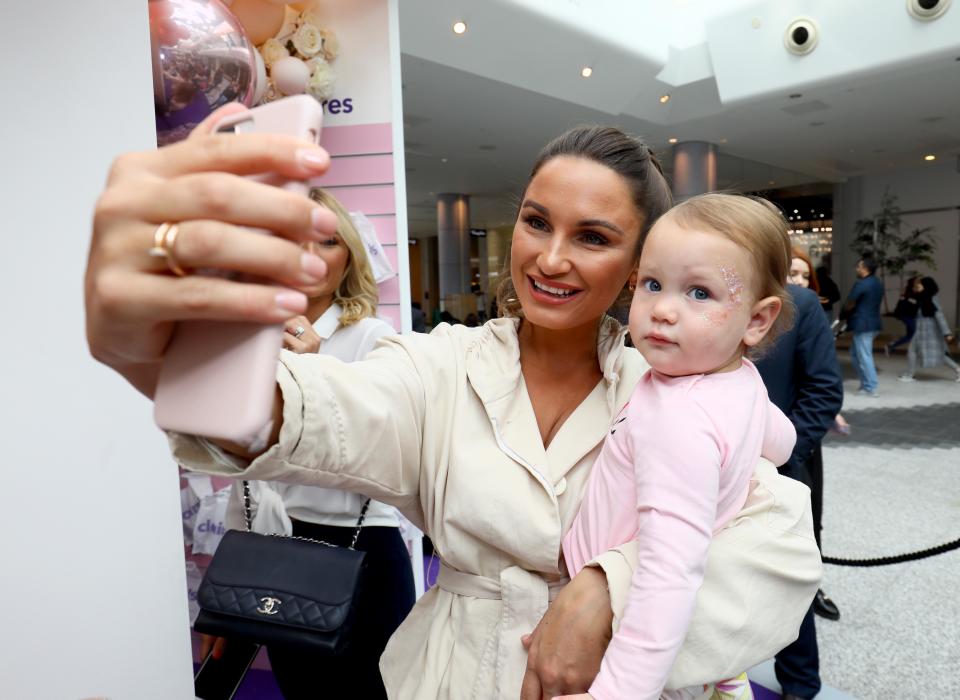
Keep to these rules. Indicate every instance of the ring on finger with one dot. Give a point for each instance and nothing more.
(164, 238)
(299, 331)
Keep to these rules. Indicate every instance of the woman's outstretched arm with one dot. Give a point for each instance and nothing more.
(133, 301)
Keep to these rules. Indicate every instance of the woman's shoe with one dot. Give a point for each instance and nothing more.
(909, 378)
(824, 607)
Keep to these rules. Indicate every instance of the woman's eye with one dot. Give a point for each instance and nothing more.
(535, 222)
(330, 242)
(652, 285)
(591, 238)
(699, 293)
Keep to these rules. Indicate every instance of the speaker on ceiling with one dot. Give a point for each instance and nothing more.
(927, 10)
(801, 36)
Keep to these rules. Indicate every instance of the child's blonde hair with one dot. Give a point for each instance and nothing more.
(357, 293)
(757, 226)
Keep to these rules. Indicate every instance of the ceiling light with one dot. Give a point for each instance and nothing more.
(929, 156)
(672, 139)
(586, 72)
(796, 211)
(664, 99)
(459, 27)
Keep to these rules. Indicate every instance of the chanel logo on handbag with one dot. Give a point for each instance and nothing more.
(268, 605)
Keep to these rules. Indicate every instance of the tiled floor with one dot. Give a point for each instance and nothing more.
(892, 486)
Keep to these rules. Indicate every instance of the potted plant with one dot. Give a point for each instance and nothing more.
(882, 237)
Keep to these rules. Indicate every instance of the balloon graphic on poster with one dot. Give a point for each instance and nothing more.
(260, 19)
(202, 59)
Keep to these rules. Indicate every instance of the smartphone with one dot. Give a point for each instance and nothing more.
(218, 377)
(219, 679)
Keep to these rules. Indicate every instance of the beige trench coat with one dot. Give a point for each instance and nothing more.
(441, 427)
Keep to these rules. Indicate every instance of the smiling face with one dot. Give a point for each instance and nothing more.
(694, 311)
(574, 243)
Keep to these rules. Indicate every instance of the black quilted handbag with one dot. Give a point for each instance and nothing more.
(289, 592)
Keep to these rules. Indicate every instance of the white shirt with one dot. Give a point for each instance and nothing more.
(313, 504)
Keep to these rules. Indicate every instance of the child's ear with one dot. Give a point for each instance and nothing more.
(762, 316)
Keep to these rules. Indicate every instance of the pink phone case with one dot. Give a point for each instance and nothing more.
(218, 378)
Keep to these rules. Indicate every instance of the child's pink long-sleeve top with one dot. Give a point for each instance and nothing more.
(674, 469)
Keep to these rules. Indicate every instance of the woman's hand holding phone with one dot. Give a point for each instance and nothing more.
(132, 299)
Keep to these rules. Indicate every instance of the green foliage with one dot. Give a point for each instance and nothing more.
(882, 238)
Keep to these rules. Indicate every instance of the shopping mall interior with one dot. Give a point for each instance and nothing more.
(873, 110)
(845, 114)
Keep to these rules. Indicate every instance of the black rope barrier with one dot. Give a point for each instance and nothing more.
(897, 558)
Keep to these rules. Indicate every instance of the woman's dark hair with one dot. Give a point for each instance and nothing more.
(925, 298)
(626, 155)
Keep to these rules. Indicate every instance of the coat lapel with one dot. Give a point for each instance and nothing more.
(493, 370)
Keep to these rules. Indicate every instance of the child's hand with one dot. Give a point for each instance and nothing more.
(579, 696)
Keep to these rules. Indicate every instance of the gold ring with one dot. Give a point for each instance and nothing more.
(164, 239)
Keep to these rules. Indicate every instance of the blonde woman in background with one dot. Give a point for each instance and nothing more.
(339, 321)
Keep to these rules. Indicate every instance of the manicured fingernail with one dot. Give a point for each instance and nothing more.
(313, 266)
(324, 220)
(291, 301)
(313, 158)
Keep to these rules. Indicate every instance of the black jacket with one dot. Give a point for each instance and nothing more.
(803, 379)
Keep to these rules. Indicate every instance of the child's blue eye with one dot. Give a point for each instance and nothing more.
(699, 293)
(652, 285)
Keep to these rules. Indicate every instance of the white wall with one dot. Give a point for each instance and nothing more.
(92, 579)
(929, 186)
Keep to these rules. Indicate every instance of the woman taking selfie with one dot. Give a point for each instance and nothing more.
(483, 437)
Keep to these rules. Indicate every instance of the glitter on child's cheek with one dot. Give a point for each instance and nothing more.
(716, 318)
(734, 285)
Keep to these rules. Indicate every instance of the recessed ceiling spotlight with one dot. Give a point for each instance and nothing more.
(586, 71)
(459, 27)
(723, 140)
(796, 211)
(443, 160)
(672, 139)
(929, 156)
(772, 182)
(664, 99)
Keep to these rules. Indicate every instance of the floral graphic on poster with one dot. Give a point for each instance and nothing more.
(300, 57)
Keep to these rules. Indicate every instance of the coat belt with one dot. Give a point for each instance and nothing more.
(525, 597)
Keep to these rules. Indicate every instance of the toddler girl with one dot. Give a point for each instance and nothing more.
(676, 465)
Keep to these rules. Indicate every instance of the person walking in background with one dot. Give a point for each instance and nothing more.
(863, 320)
(809, 374)
(906, 312)
(929, 347)
(803, 379)
(828, 290)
